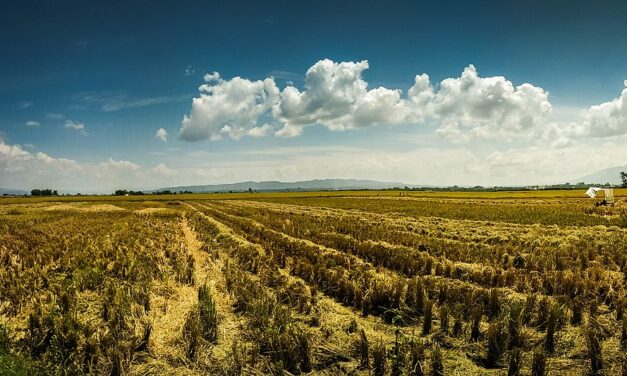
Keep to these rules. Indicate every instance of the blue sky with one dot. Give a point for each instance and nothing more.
(84, 87)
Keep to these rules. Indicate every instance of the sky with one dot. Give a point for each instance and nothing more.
(104, 95)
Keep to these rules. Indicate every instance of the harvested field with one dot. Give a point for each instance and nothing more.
(319, 285)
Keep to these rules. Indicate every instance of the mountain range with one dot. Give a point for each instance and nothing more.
(609, 175)
(9, 191)
(306, 185)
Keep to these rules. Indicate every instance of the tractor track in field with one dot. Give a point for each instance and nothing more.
(171, 309)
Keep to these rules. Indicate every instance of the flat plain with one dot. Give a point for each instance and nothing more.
(364, 282)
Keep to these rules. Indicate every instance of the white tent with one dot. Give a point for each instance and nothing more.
(592, 192)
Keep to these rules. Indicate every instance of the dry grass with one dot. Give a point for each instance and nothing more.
(83, 207)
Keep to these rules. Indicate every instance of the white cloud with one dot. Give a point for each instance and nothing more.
(112, 164)
(32, 123)
(259, 131)
(71, 124)
(336, 96)
(12, 151)
(163, 170)
(23, 169)
(472, 107)
(289, 130)
(607, 119)
(212, 77)
(228, 107)
(162, 134)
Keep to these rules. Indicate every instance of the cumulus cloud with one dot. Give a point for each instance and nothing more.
(228, 107)
(336, 96)
(488, 108)
(162, 134)
(24, 169)
(259, 131)
(32, 123)
(10, 152)
(20, 168)
(15, 162)
(163, 170)
(606, 119)
(289, 131)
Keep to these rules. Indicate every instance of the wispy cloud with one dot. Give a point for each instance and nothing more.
(55, 116)
(32, 123)
(189, 70)
(24, 105)
(110, 101)
(109, 107)
(74, 125)
(285, 75)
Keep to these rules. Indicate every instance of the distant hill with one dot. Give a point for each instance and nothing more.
(609, 175)
(9, 191)
(269, 186)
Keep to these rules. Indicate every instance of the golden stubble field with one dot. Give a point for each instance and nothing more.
(418, 283)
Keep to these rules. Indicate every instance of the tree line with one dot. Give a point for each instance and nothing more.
(43, 192)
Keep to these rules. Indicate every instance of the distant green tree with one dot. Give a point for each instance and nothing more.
(43, 192)
(124, 192)
(623, 177)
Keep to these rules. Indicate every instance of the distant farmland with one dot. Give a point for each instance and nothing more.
(326, 283)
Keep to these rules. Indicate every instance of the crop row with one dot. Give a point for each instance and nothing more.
(589, 284)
